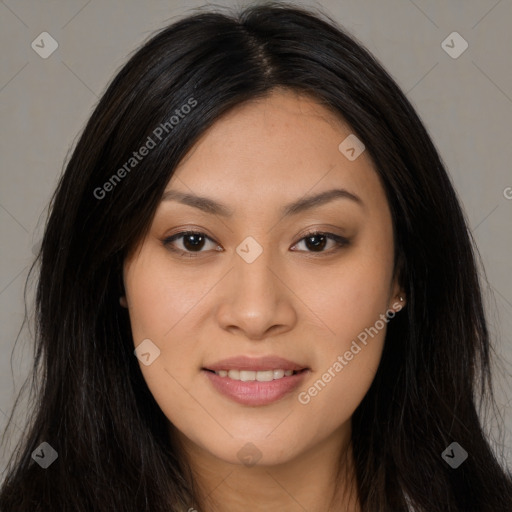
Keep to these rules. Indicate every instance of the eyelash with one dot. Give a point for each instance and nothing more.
(338, 240)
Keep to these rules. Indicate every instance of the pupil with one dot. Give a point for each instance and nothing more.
(316, 244)
(189, 243)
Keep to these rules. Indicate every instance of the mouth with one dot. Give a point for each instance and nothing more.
(255, 381)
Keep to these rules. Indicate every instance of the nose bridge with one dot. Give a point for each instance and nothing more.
(254, 302)
(252, 275)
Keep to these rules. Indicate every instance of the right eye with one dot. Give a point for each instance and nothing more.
(191, 242)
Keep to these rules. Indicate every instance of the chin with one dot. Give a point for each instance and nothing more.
(252, 451)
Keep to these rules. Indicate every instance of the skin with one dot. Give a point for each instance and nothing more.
(292, 301)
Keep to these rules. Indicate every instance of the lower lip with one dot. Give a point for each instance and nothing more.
(255, 392)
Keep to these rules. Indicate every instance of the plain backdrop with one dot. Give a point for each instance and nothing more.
(465, 103)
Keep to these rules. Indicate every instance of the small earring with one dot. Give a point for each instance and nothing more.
(401, 298)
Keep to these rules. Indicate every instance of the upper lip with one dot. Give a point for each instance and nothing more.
(254, 363)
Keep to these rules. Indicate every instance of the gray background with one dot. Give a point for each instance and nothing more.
(466, 104)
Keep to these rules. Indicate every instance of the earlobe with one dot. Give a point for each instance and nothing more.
(397, 297)
(123, 301)
(399, 303)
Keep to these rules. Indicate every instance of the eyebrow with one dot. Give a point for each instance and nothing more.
(306, 203)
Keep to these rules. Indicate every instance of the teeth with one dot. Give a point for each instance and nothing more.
(250, 375)
(234, 374)
(278, 374)
(265, 376)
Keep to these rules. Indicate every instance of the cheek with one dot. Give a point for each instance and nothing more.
(351, 295)
(164, 303)
(351, 300)
(331, 397)
(159, 313)
(350, 353)
(161, 295)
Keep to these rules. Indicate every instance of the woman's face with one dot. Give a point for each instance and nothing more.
(254, 286)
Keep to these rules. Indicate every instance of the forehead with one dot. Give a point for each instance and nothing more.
(274, 149)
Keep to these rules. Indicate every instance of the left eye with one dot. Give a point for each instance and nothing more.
(317, 241)
(194, 241)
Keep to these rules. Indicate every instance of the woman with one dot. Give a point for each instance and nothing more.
(257, 291)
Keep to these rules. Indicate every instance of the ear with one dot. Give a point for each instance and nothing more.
(397, 300)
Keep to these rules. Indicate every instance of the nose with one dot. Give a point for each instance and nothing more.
(256, 302)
